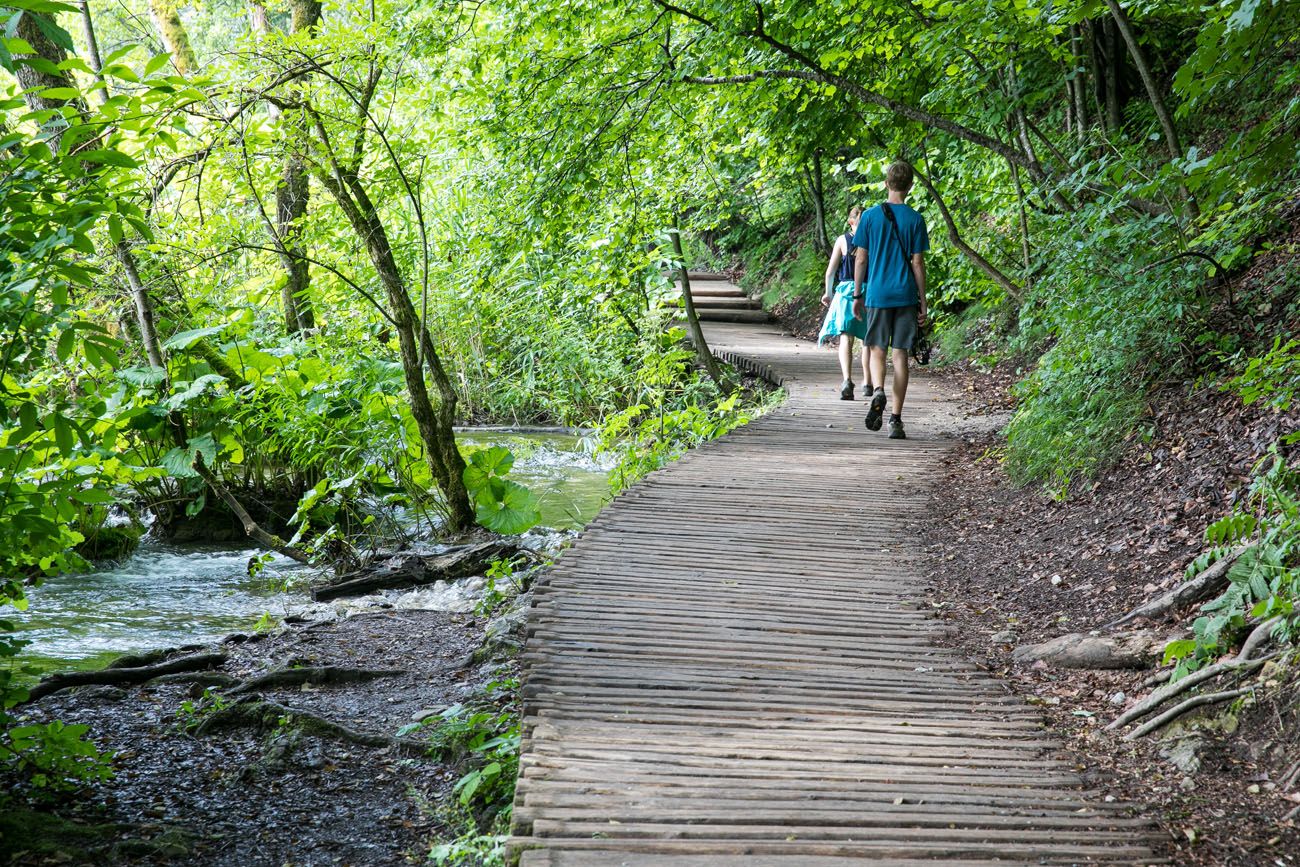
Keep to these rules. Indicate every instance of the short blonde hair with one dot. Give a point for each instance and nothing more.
(898, 176)
(855, 211)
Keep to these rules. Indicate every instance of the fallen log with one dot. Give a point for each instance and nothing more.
(118, 676)
(1206, 583)
(1082, 650)
(404, 571)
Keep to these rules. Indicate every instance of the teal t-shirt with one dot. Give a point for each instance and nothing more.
(889, 280)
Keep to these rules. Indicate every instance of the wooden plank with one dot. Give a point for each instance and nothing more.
(735, 664)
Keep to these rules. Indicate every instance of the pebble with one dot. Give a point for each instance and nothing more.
(1118, 698)
(1253, 788)
(1056, 580)
(1187, 784)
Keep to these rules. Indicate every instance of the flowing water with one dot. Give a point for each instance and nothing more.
(168, 595)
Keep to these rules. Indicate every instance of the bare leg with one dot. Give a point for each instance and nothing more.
(900, 378)
(878, 366)
(846, 356)
(867, 381)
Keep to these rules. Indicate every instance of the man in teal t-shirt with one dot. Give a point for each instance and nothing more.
(891, 241)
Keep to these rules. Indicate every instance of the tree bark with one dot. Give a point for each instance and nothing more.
(33, 80)
(1114, 70)
(167, 18)
(819, 202)
(702, 351)
(291, 197)
(1024, 224)
(1172, 143)
(1078, 80)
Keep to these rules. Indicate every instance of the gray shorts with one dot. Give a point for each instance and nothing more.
(891, 326)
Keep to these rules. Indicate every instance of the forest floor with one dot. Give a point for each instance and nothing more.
(1011, 566)
(273, 792)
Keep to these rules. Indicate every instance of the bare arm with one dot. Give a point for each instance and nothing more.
(918, 270)
(831, 267)
(859, 277)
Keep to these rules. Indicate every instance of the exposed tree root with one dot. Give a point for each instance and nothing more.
(321, 674)
(1180, 709)
(1240, 664)
(413, 570)
(1081, 650)
(202, 678)
(261, 713)
(118, 676)
(1204, 584)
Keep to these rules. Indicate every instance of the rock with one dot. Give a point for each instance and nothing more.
(426, 713)
(1006, 636)
(1183, 754)
(1253, 788)
(1187, 784)
(1118, 699)
(1081, 650)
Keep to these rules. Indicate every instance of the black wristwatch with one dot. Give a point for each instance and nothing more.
(859, 297)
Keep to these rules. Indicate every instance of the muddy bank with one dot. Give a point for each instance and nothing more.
(315, 775)
(1010, 567)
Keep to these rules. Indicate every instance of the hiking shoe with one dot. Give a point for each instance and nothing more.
(896, 431)
(846, 390)
(876, 414)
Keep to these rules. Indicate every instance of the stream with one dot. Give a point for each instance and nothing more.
(165, 595)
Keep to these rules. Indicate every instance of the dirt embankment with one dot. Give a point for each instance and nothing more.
(294, 758)
(1011, 567)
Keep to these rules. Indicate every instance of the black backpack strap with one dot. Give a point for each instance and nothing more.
(893, 224)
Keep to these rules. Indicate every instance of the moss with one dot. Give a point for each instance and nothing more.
(39, 833)
(111, 543)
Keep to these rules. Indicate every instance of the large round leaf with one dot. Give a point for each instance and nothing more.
(506, 507)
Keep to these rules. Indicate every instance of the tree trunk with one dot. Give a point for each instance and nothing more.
(167, 18)
(702, 351)
(34, 80)
(819, 202)
(92, 44)
(1114, 70)
(1079, 81)
(436, 434)
(258, 21)
(1016, 292)
(1172, 143)
(1024, 223)
(291, 197)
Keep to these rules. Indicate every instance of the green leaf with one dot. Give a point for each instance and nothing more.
(108, 157)
(1179, 649)
(486, 465)
(506, 507)
(186, 339)
(67, 340)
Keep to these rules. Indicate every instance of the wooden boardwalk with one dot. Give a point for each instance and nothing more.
(733, 666)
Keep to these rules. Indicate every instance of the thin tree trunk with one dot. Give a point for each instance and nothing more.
(441, 453)
(1172, 143)
(167, 18)
(1016, 292)
(1114, 71)
(258, 21)
(702, 350)
(1078, 80)
(819, 202)
(144, 313)
(1024, 223)
(291, 197)
(92, 44)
